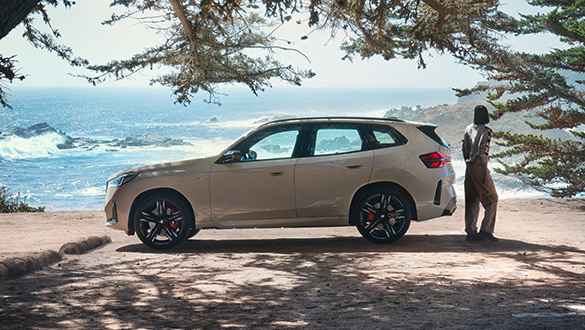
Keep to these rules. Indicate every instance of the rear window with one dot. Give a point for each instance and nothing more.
(384, 137)
(430, 132)
(331, 141)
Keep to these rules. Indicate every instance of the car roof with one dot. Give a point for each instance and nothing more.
(333, 120)
(352, 120)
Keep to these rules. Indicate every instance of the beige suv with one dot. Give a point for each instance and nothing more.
(375, 174)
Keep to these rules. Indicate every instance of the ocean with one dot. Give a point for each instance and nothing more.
(80, 136)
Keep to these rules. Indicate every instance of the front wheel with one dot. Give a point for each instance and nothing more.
(382, 215)
(162, 221)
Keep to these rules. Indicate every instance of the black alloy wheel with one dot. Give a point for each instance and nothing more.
(162, 221)
(382, 215)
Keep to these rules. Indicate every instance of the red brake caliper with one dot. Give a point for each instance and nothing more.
(370, 217)
(173, 224)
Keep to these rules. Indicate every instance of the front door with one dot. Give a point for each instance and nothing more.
(260, 186)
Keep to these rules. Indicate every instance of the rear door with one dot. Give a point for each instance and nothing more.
(335, 166)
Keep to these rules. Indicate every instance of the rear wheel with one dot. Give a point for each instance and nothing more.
(193, 232)
(162, 221)
(382, 215)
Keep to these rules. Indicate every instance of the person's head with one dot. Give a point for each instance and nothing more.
(481, 115)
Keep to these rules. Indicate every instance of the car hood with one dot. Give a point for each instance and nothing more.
(164, 167)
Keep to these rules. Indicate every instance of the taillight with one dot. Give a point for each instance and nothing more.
(435, 160)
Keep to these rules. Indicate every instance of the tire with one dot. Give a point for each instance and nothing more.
(162, 221)
(194, 231)
(382, 215)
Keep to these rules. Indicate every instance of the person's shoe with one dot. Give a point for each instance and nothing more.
(488, 236)
(474, 238)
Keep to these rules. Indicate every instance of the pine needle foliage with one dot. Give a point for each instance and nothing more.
(208, 43)
(28, 13)
(212, 42)
(548, 87)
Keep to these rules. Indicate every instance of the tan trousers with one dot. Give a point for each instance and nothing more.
(479, 188)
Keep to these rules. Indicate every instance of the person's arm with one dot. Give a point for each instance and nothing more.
(484, 151)
(484, 145)
(466, 146)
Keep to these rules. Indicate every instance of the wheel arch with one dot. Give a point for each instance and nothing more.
(150, 193)
(391, 185)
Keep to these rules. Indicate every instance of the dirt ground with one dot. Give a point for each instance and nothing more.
(313, 278)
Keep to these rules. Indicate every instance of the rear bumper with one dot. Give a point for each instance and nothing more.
(451, 207)
(440, 202)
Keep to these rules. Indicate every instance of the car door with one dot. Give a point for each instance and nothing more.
(260, 186)
(335, 168)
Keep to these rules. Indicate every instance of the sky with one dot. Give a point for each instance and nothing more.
(82, 30)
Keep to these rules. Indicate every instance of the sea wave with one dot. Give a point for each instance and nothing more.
(14, 147)
(85, 191)
(42, 141)
(246, 123)
(211, 122)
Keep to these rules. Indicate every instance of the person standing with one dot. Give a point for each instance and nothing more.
(479, 186)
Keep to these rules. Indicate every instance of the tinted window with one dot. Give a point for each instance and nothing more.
(277, 145)
(384, 137)
(330, 141)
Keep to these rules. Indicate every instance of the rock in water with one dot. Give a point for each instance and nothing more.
(147, 139)
(41, 129)
(34, 130)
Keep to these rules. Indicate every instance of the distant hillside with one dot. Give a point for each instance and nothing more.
(452, 120)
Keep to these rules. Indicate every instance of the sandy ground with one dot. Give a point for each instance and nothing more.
(320, 278)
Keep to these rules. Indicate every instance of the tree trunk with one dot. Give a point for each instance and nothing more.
(12, 12)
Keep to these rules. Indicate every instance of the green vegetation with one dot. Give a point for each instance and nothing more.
(549, 88)
(13, 204)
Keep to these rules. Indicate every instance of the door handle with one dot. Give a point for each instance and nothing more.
(353, 167)
(276, 173)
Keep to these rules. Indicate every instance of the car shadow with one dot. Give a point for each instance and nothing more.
(340, 282)
(407, 244)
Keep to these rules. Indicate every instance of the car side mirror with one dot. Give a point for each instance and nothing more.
(231, 156)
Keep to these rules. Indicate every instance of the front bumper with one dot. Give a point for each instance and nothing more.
(117, 208)
(112, 216)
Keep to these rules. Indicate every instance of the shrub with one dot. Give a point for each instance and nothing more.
(12, 204)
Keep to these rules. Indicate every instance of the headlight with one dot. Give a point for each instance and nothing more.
(122, 179)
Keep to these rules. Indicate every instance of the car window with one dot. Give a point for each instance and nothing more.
(274, 146)
(385, 137)
(330, 141)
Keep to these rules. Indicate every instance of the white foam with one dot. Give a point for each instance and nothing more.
(247, 123)
(92, 191)
(41, 146)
